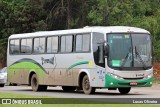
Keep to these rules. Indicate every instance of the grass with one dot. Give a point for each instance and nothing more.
(156, 81)
(80, 105)
(11, 95)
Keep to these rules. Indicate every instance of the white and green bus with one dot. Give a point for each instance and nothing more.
(115, 57)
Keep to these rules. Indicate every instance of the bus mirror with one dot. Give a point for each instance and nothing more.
(101, 54)
(106, 50)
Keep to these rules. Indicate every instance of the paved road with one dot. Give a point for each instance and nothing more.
(149, 92)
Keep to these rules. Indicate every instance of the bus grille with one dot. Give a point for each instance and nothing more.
(133, 78)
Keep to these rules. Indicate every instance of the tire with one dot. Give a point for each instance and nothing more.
(87, 89)
(68, 88)
(1, 85)
(124, 90)
(35, 84)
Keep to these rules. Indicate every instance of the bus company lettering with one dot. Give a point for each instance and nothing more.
(139, 75)
(45, 61)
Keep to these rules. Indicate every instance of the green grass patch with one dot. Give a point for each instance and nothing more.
(48, 100)
(156, 81)
(11, 95)
(81, 105)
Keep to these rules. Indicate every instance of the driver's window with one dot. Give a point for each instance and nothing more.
(97, 39)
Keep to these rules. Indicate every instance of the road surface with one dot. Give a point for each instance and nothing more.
(145, 92)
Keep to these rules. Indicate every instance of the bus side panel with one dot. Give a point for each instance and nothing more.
(17, 74)
(49, 78)
(19, 70)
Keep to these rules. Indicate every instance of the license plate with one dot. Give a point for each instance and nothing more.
(133, 83)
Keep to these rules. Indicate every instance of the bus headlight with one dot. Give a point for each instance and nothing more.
(148, 76)
(114, 75)
(2, 76)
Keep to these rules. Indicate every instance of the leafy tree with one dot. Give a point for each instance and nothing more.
(22, 16)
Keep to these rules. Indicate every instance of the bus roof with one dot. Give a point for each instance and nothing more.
(87, 29)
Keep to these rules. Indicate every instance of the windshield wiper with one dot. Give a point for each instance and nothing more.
(137, 53)
(125, 59)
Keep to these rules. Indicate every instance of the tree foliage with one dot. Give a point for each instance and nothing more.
(22, 16)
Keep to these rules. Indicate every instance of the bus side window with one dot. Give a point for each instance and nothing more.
(11, 46)
(26, 45)
(86, 42)
(69, 40)
(82, 43)
(66, 43)
(52, 44)
(29, 46)
(14, 46)
(63, 42)
(78, 43)
(39, 45)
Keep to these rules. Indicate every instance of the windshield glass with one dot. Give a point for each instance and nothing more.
(142, 48)
(129, 50)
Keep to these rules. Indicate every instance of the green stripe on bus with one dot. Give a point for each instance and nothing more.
(26, 67)
(78, 63)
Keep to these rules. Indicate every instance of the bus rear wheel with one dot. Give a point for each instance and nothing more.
(68, 88)
(124, 90)
(35, 84)
(86, 86)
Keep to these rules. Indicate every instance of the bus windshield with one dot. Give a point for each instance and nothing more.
(129, 51)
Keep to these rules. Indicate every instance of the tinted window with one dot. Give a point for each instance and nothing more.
(26, 45)
(52, 44)
(14, 46)
(83, 43)
(39, 45)
(66, 43)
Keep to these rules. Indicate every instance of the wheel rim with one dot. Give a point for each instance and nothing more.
(34, 82)
(86, 84)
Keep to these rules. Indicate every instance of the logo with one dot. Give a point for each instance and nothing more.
(21, 101)
(139, 75)
(6, 101)
(45, 61)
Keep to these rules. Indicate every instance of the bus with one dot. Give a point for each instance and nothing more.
(89, 58)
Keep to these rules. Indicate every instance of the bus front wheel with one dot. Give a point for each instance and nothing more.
(124, 90)
(86, 86)
(35, 84)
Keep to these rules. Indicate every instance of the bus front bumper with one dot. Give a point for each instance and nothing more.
(111, 82)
